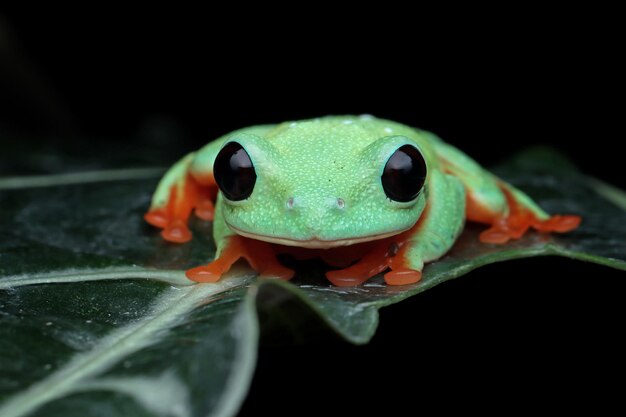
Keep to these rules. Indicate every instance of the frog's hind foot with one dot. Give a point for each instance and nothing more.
(520, 219)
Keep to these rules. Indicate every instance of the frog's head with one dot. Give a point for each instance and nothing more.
(321, 187)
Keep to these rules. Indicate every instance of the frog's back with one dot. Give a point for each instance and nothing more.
(340, 135)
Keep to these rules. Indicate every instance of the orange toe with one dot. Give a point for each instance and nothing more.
(207, 273)
(259, 255)
(340, 278)
(504, 229)
(156, 218)
(516, 226)
(494, 235)
(558, 223)
(375, 262)
(278, 271)
(403, 276)
(176, 232)
(205, 210)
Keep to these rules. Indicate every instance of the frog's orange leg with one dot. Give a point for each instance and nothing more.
(388, 254)
(184, 196)
(260, 256)
(520, 219)
(400, 273)
(508, 211)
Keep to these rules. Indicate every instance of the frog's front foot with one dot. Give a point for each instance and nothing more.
(384, 256)
(205, 209)
(174, 229)
(260, 256)
(185, 196)
(175, 225)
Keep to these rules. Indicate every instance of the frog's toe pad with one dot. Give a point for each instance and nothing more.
(402, 276)
(358, 273)
(341, 278)
(157, 218)
(516, 226)
(205, 210)
(205, 273)
(278, 272)
(558, 223)
(496, 235)
(176, 232)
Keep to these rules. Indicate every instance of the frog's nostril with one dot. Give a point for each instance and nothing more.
(315, 207)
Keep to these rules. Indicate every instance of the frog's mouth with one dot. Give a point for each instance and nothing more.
(315, 242)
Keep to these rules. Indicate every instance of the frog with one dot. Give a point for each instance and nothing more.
(363, 194)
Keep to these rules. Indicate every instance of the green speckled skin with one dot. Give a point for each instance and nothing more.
(320, 180)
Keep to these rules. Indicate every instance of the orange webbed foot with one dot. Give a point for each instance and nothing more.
(259, 255)
(362, 271)
(507, 228)
(174, 230)
(521, 219)
(516, 225)
(373, 263)
(389, 254)
(184, 197)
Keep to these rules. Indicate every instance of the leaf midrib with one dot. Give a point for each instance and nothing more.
(166, 311)
(173, 277)
(51, 180)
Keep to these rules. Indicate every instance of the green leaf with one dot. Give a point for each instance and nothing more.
(97, 318)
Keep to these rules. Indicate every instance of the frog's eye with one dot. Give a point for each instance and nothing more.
(404, 174)
(234, 172)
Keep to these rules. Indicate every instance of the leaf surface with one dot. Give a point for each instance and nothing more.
(97, 318)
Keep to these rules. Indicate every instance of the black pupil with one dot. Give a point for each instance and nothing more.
(404, 174)
(234, 172)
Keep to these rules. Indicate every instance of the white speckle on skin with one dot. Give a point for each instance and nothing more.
(366, 117)
(293, 124)
(388, 130)
(49, 323)
(347, 122)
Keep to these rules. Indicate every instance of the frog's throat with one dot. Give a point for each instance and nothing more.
(314, 243)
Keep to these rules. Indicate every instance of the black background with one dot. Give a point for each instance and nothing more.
(522, 336)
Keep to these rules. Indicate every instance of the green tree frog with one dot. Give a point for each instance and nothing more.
(365, 195)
